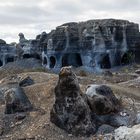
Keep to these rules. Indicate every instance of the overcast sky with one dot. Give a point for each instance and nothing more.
(35, 16)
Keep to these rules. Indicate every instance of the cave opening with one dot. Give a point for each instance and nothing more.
(1, 64)
(52, 62)
(10, 59)
(105, 62)
(127, 58)
(72, 59)
(26, 56)
(45, 61)
(37, 56)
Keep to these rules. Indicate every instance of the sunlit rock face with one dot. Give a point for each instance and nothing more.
(100, 44)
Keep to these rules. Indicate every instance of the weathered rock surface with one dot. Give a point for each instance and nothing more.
(94, 44)
(125, 133)
(100, 44)
(2, 42)
(102, 100)
(26, 82)
(90, 113)
(16, 101)
(70, 112)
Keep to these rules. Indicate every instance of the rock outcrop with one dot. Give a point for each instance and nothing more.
(23, 50)
(90, 113)
(16, 101)
(70, 112)
(99, 44)
(102, 100)
(94, 44)
(8, 53)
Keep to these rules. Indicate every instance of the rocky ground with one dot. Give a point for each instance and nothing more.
(35, 123)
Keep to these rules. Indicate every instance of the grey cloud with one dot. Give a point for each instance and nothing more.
(35, 16)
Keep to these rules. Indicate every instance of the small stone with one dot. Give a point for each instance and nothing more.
(137, 71)
(70, 135)
(19, 117)
(26, 82)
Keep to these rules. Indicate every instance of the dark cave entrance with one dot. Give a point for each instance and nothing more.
(72, 59)
(52, 62)
(1, 64)
(26, 56)
(105, 62)
(127, 58)
(10, 59)
(37, 56)
(45, 61)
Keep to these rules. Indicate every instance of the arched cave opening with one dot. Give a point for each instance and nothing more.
(10, 59)
(26, 56)
(1, 64)
(37, 56)
(52, 62)
(72, 59)
(45, 61)
(127, 58)
(105, 62)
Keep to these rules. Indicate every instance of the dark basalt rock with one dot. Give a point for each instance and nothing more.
(2, 42)
(16, 101)
(102, 100)
(108, 73)
(26, 82)
(96, 112)
(70, 112)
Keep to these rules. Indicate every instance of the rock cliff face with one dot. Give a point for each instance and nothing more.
(24, 49)
(100, 44)
(7, 53)
(94, 44)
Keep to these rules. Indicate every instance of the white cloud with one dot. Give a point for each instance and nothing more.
(34, 16)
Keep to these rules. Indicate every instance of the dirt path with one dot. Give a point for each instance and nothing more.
(132, 93)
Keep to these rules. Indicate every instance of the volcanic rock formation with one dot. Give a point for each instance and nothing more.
(70, 111)
(100, 44)
(102, 100)
(85, 114)
(94, 44)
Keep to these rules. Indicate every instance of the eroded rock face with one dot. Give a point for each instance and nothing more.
(70, 112)
(101, 99)
(100, 44)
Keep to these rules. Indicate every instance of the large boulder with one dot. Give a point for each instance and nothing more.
(125, 133)
(101, 99)
(16, 101)
(70, 112)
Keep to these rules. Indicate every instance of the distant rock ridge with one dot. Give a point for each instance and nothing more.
(100, 44)
(94, 44)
